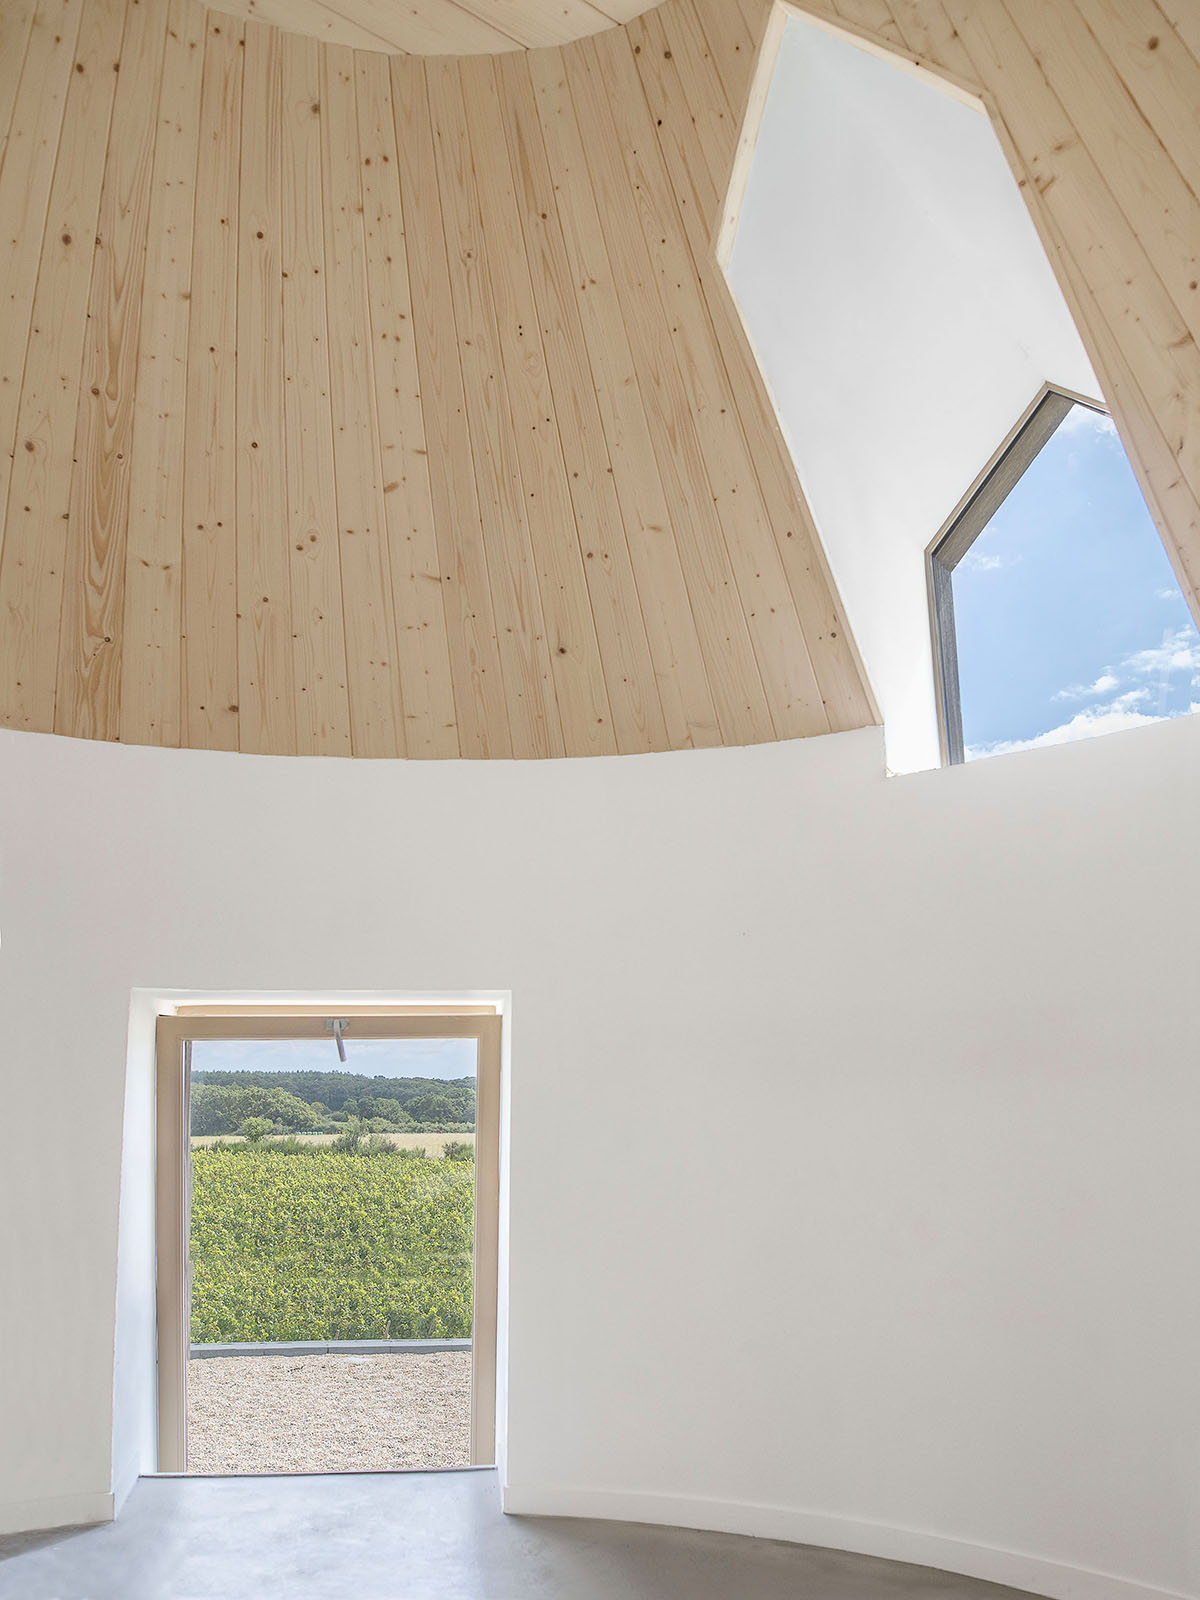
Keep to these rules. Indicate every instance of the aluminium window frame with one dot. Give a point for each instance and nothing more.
(175, 1034)
(1035, 428)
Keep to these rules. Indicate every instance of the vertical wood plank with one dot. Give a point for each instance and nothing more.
(679, 75)
(267, 712)
(928, 32)
(1184, 17)
(687, 699)
(479, 695)
(318, 635)
(573, 562)
(1171, 503)
(16, 20)
(25, 182)
(793, 694)
(734, 48)
(39, 496)
(1147, 188)
(375, 689)
(87, 701)
(733, 674)
(422, 652)
(1159, 74)
(524, 649)
(619, 605)
(1069, 188)
(875, 16)
(153, 617)
(755, 14)
(688, 105)
(209, 686)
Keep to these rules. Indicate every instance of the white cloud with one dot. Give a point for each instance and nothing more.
(1083, 725)
(1104, 684)
(1179, 651)
(1125, 702)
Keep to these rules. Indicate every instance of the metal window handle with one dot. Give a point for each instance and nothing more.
(336, 1026)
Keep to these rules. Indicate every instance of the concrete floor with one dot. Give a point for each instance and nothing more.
(422, 1536)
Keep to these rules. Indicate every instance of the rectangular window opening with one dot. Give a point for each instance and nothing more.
(327, 1197)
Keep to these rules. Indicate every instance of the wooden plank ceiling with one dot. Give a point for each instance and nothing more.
(356, 403)
(373, 405)
(440, 27)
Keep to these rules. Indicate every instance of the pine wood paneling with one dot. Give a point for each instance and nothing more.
(318, 628)
(16, 19)
(90, 642)
(666, 604)
(153, 618)
(743, 712)
(374, 686)
(28, 171)
(33, 551)
(699, 136)
(1145, 52)
(441, 27)
(422, 651)
(1185, 19)
(367, 405)
(209, 689)
(516, 598)
(266, 692)
(639, 717)
(663, 211)
(565, 572)
(479, 692)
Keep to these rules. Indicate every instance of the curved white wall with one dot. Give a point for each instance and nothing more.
(853, 1162)
(905, 316)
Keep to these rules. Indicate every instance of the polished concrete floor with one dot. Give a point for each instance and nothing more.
(422, 1536)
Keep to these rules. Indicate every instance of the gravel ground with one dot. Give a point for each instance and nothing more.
(330, 1413)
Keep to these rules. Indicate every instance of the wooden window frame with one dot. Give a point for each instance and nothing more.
(175, 1035)
(954, 539)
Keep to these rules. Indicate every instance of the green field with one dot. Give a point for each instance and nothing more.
(329, 1244)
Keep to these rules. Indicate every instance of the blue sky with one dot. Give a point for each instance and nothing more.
(392, 1058)
(1070, 621)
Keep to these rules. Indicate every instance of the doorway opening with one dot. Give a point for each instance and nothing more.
(327, 1197)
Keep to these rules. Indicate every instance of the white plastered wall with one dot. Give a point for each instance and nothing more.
(853, 1121)
(905, 316)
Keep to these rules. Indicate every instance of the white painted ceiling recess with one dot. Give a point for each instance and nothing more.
(441, 27)
(905, 315)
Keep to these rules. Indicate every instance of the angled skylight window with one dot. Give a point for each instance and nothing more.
(1057, 613)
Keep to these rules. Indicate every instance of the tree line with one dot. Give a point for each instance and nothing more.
(314, 1102)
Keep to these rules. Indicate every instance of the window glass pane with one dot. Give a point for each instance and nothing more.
(332, 1216)
(1069, 619)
